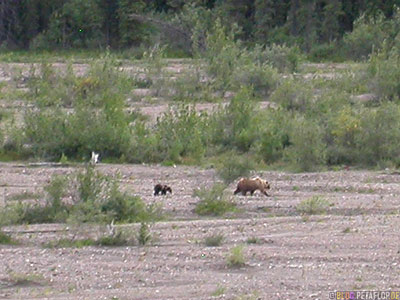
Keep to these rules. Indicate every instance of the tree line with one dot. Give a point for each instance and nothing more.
(52, 24)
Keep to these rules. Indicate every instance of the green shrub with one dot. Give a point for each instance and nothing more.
(95, 198)
(214, 240)
(315, 205)
(273, 136)
(384, 70)
(213, 202)
(293, 95)
(232, 166)
(307, 151)
(144, 235)
(235, 258)
(283, 58)
(262, 78)
(367, 34)
(342, 128)
(379, 129)
(6, 239)
(181, 132)
(232, 126)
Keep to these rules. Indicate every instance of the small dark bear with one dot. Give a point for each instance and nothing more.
(162, 188)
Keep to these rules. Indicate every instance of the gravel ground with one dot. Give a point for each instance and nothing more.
(355, 245)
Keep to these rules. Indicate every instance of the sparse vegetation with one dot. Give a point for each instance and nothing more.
(236, 259)
(95, 198)
(214, 240)
(6, 239)
(253, 240)
(313, 206)
(144, 236)
(213, 201)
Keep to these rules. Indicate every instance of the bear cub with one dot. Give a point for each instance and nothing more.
(161, 188)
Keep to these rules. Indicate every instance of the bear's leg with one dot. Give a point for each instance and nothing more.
(251, 193)
(265, 193)
(236, 191)
(244, 193)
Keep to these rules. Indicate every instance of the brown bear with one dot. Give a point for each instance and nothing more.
(250, 185)
(162, 188)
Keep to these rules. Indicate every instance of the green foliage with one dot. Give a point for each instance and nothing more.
(144, 235)
(273, 136)
(368, 33)
(379, 129)
(253, 240)
(307, 151)
(315, 205)
(98, 121)
(6, 239)
(213, 201)
(235, 258)
(384, 70)
(293, 95)
(95, 198)
(232, 166)
(284, 58)
(180, 133)
(214, 240)
(77, 24)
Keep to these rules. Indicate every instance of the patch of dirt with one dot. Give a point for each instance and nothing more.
(355, 245)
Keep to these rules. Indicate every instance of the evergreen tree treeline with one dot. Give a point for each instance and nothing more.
(47, 24)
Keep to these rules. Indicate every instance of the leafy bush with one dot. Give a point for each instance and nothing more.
(367, 34)
(144, 235)
(273, 136)
(181, 132)
(95, 198)
(342, 128)
(214, 240)
(293, 95)
(313, 206)
(384, 70)
(283, 58)
(6, 239)
(235, 258)
(233, 166)
(379, 129)
(307, 151)
(262, 78)
(232, 126)
(213, 202)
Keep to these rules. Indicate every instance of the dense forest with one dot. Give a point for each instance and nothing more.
(52, 24)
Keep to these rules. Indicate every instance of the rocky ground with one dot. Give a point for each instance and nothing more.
(353, 246)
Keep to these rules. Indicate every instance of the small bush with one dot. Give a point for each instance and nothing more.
(235, 258)
(253, 240)
(384, 70)
(70, 243)
(366, 35)
(285, 59)
(95, 198)
(262, 78)
(144, 235)
(6, 239)
(115, 240)
(307, 151)
(313, 206)
(293, 95)
(214, 240)
(213, 202)
(233, 166)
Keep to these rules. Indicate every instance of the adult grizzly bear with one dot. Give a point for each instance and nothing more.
(162, 188)
(250, 185)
